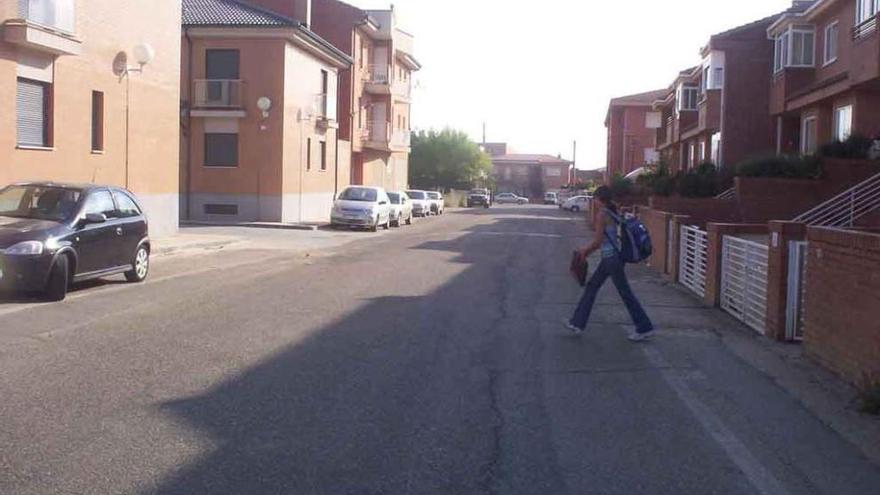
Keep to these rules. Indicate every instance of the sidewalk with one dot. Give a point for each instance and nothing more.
(185, 241)
(678, 313)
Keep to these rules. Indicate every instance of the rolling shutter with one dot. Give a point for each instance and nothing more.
(31, 117)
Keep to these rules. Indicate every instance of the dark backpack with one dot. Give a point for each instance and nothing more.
(635, 240)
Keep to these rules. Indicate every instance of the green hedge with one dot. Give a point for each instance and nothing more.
(783, 166)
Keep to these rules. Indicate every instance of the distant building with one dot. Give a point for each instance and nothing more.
(494, 149)
(582, 176)
(530, 175)
(632, 130)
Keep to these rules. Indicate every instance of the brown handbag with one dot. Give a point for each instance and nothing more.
(579, 267)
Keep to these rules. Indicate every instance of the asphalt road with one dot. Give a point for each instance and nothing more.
(429, 360)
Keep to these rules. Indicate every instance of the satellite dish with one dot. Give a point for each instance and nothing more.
(144, 53)
(264, 103)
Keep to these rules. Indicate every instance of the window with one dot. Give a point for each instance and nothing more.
(221, 150)
(716, 149)
(325, 84)
(691, 155)
(653, 120)
(126, 206)
(323, 155)
(309, 154)
(97, 121)
(717, 78)
(795, 48)
(220, 209)
(100, 203)
(831, 38)
(687, 97)
(33, 119)
(60, 14)
(866, 10)
(843, 122)
(702, 156)
(221, 67)
(808, 135)
(553, 172)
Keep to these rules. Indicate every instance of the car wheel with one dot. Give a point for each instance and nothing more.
(575, 209)
(387, 223)
(59, 279)
(141, 265)
(409, 220)
(375, 226)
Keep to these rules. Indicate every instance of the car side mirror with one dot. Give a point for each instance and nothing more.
(383, 203)
(94, 218)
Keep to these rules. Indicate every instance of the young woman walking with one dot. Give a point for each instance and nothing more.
(607, 240)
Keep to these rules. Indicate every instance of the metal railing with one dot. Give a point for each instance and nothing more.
(400, 139)
(319, 106)
(58, 14)
(744, 281)
(218, 93)
(378, 132)
(728, 194)
(378, 74)
(865, 29)
(847, 207)
(693, 259)
(402, 88)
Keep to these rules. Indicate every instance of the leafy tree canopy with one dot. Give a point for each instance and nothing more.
(447, 159)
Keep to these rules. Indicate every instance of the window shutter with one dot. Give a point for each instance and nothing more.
(31, 113)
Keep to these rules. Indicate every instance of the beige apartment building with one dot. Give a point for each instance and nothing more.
(77, 106)
(260, 137)
(376, 94)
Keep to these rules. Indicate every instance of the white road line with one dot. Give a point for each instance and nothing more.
(763, 481)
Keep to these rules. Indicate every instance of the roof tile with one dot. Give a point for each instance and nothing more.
(230, 13)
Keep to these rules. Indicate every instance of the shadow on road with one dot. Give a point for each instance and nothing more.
(394, 398)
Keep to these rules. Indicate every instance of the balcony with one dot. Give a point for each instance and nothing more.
(218, 98)
(709, 111)
(46, 26)
(324, 111)
(379, 135)
(378, 79)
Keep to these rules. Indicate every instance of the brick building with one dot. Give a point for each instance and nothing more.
(632, 122)
(826, 74)
(75, 104)
(260, 127)
(530, 175)
(376, 94)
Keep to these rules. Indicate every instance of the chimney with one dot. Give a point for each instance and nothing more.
(300, 10)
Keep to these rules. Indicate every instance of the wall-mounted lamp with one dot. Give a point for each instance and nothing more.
(264, 103)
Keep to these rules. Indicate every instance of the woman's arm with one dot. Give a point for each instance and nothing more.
(599, 227)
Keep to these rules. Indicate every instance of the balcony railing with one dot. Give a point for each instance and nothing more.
(400, 139)
(218, 93)
(378, 132)
(319, 106)
(378, 74)
(57, 14)
(402, 88)
(865, 29)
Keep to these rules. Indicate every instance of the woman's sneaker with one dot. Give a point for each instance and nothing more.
(635, 336)
(573, 329)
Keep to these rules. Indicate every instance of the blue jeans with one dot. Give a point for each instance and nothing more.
(614, 268)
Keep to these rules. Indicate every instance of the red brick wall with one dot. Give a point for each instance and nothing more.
(657, 223)
(701, 210)
(627, 139)
(842, 296)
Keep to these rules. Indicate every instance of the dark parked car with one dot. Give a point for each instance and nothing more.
(52, 235)
(481, 197)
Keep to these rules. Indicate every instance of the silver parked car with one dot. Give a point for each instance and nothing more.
(436, 199)
(401, 208)
(420, 203)
(362, 206)
(510, 199)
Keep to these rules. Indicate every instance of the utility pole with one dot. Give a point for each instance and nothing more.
(484, 133)
(574, 154)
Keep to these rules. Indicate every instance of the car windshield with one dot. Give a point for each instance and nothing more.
(359, 194)
(39, 202)
(416, 194)
(395, 198)
(434, 195)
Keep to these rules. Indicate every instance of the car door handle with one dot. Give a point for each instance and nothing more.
(118, 230)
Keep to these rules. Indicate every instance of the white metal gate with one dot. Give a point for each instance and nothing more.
(744, 281)
(797, 272)
(692, 259)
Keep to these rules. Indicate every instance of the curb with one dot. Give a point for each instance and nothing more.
(257, 225)
(169, 250)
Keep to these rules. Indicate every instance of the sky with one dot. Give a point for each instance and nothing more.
(540, 74)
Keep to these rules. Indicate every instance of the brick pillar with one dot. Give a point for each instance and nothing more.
(714, 252)
(777, 274)
(677, 221)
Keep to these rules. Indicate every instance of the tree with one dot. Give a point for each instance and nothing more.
(447, 159)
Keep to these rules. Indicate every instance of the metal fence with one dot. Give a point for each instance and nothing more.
(744, 281)
(693, 259)
(797, 272)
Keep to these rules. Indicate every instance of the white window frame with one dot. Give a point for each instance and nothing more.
(684, 102)
(866, 10)
(832, 41)
(784, 48)
(692, 150)
(808, 148)
(715, 149)
(702, 151)
(841, 133)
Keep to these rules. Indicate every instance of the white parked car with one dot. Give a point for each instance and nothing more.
(421, 205)
(576, 204)
(362, 206)
(436, 202)
(401, 208)
(551, 198)
(510, 199)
